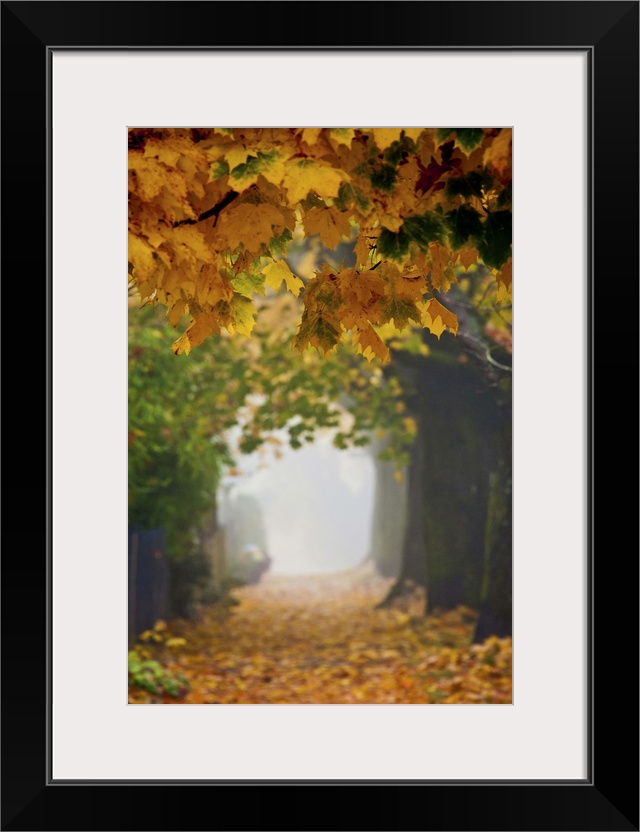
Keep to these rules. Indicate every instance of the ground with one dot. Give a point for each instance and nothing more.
(320, 640)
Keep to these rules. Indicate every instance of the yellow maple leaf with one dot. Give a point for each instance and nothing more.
(141, 255)
(176, 311)
(468, 256)
(164, 151)
(243, 313)
(442, 274)
(189, 245)
(438, 318)
(248, 225)
(175, 642)
(366, 285)
(237, 154)
(342, 135)
(199, 329)
(274, 170)
(152, 176)
(304, 175)
(386, 136)
(504, 275)
(497, 157)
(370, 344)
(211, 287)
(278, 271)
(503, 294)
(363, 248)
(310, 134)
(329, 223)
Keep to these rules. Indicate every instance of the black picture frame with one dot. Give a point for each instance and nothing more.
(608, 798)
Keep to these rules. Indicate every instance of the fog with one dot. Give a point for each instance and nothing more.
(313, 506)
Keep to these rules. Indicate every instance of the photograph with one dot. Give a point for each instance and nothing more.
(292, 466)
(320, 415)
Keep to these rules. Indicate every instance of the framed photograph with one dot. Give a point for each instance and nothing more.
(563, 77)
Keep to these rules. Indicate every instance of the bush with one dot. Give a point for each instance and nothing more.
(189, 583)
(152, 677)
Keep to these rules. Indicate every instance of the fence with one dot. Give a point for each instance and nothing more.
(148, 586)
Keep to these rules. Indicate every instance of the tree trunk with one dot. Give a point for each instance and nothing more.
(458, 418)
(389, 517)
(496, 613)
(413, 568)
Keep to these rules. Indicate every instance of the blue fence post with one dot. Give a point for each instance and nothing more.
(148, 585)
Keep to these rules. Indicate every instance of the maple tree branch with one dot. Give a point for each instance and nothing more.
(469, 335)
(212, 212)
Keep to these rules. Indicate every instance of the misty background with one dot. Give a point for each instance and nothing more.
(311, 509)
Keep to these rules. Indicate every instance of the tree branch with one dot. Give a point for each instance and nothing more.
(212, 212)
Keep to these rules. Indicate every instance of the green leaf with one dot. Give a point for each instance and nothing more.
(248, 284)
(402, 311)
(463, 223)
(469, 185)
(323, 334)
(220, 169)
(243, 312)
(443, 133)
(394, 153)
(279, 243)
(253, 165)
(504, 200)
(392, 245)
(425, 229)
(349, 196)
(468, 138)
(384, 178)
(495, 247)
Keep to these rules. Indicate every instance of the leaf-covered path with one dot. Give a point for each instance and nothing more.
(320, 640)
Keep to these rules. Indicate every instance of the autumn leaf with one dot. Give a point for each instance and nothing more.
(462, 223)
(370, 344)
(317, 332)
(248, 283)
(468, 256)
(393, 245)
(330, 224)
(247, 225)
(442, 274)
(504, 275)
(365, 245)
(342, 135)
(243, 313)
(207, 206)
(320, 640)
(142, 256)
(425, 229)
(307, 175)
(189, 246)
(152, 178)
(385, 136)
(278, 271)
(365, 286)
(401, 311)
(176, 312)
(497, 156)
(495, 247)
(199, 329)
(468, 138)
(437, 318)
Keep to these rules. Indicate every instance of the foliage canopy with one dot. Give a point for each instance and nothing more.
(212, 212)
